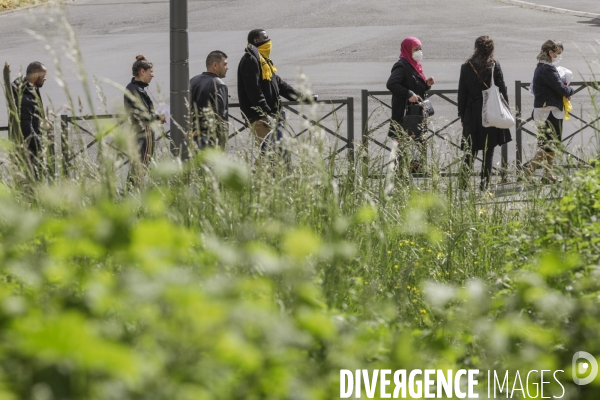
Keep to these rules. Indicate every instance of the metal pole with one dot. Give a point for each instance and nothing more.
(519, 122)
(180, 78)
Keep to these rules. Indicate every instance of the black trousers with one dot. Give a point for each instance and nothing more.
(145, 144)
(486, 167)
(550, 135)
(33, 152)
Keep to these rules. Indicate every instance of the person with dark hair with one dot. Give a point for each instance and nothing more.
(26, 92)
(259, 86)
(550, 92)
(210, 101)
(408, 83)
(140, 110)
(475, 77)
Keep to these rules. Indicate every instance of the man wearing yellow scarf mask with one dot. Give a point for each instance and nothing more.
(259, 87)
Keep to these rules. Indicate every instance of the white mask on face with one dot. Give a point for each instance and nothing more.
(557, 59)
(418, 55)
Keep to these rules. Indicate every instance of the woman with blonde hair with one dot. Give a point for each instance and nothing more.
(548, 112)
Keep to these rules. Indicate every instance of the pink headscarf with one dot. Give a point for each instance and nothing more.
(406, 52)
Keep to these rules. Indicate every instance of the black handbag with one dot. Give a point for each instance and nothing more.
(415, 117)
(428, 108)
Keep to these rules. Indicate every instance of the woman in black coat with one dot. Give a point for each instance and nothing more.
(407, 82)
(475, 77)
(140, 110)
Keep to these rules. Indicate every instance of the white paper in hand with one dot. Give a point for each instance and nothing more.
(165, 109)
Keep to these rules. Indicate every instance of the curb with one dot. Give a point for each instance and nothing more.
(525, 4)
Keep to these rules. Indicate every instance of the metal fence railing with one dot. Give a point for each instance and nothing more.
(371, 128)
(342, 129)
(570, 130)
(237, 123)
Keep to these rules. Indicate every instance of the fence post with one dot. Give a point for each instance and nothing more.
(504, 162)
(350, 133)
(364, 116)
(64, 143)
(52, 154)
(11, 103)
(519, 132)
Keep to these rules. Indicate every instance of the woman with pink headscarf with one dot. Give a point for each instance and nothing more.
(407, 82)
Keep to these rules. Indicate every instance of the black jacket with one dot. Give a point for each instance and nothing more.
(141, 113)
(209, 91)
(403, 83)
(31, 111)
(254, 92)
(548, 88)
(470, 105)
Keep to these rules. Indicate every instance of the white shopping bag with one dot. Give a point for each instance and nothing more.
(496, 112)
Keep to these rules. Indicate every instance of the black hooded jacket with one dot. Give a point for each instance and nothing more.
(254, 92)
(30, 112)
(141, 113)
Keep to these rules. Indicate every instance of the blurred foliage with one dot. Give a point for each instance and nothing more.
(216, 283)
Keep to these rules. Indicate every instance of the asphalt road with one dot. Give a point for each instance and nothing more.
(341, 45)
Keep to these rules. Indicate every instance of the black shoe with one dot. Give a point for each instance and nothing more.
(548, 180)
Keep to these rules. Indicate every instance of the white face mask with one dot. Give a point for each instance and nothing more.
(418, 55)
(557, 59)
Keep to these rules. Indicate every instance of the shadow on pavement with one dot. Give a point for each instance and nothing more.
(591, 22)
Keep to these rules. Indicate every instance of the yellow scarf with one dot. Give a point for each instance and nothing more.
(268, 69)
(568, 108)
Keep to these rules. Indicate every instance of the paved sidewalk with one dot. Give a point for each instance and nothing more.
(592, 6)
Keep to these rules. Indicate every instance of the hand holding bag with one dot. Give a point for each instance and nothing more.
(495, 112)
(414, 121)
